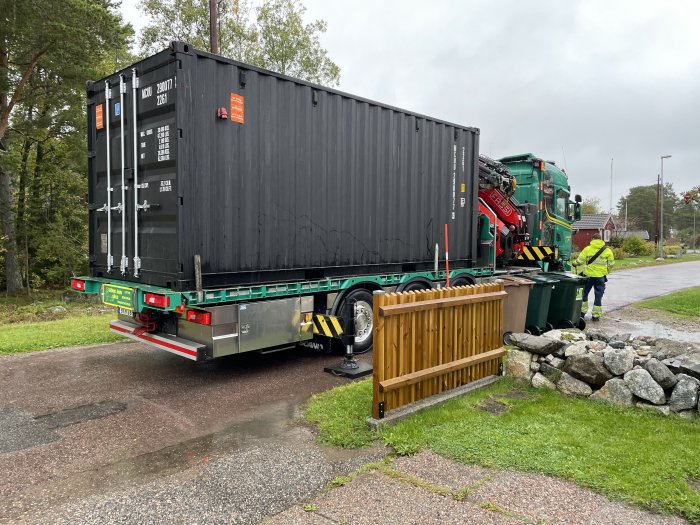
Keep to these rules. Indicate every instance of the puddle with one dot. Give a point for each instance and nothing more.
(20, 430)
(492, 406)
(185, 457)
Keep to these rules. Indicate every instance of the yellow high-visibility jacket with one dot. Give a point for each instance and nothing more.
(602, 264)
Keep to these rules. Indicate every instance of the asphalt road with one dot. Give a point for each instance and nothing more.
(625, 287)
(82, 422)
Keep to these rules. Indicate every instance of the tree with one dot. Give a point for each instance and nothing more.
(276, 38)
(591, 206)
(641, 208)
(48, 50)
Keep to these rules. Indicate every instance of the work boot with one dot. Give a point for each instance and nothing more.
(584, 309)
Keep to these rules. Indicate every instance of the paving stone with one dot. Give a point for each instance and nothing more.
(373, 498)
(440, 471)
(539, 498)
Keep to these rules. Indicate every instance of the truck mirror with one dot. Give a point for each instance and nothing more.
(577, 198)
(577, 210)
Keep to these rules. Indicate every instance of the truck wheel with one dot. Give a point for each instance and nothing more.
(414, 286)
(461, 280)
(363, 318)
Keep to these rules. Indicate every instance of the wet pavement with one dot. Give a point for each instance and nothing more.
(625, 287)
(83, 421)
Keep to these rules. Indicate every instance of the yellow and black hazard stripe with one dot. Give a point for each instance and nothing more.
(538, 253)
(327, 325)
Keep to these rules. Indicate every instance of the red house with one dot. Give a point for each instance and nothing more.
(583, 230)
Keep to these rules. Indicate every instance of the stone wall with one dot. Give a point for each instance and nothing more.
(650, 373)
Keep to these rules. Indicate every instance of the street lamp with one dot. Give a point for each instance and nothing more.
(661, 220)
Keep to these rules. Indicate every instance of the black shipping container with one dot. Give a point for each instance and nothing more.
(267, 178)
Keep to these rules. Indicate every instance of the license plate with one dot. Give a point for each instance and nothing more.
(125, 311)
(119, 296)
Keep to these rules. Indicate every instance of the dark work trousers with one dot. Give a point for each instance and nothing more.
(598, 285)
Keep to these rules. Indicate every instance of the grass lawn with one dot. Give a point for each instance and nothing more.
(33, 322)
(71, 331)
(685, 303)
(640, 262)
(630, 454)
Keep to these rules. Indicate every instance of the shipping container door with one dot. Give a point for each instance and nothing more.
(133, 183)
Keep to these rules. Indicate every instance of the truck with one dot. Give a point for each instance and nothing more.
(543, 192)
(233, 209)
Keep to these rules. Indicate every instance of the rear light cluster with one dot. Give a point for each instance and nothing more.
(157, 300)
(199, 317)
(77, 284)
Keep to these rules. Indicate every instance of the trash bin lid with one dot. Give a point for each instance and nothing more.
(541, 278)
(513, 280)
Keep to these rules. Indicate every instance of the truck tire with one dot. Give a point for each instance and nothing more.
(363, 319)
(415, 285)
(462, 280)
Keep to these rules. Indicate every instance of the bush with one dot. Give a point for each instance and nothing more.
(633, 245)
(672, 250)
(649, 249)
(619, 253)
(616, 242)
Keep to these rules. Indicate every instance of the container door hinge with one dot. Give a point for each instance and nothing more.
(124, 264)
(118, 208)
(137, 266)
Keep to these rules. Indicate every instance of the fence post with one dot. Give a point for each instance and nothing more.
(377, 354)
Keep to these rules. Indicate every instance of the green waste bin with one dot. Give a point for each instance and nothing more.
(565, 304)
(515, 304)
(538, 304)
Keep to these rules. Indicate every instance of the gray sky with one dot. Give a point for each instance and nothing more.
(577, 82)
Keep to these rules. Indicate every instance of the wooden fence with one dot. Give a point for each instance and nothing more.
(431, 341)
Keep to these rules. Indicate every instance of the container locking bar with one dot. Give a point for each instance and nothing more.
(134, 90)
(121, 206)
(108, 207)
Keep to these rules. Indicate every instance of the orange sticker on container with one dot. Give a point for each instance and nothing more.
(237, 108)
(99, 118)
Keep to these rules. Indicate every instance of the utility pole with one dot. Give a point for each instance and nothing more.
(611, 181)
(656, 233)
(213, 28)
(661, 221)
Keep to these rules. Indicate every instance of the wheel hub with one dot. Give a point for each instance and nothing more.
(363, 321)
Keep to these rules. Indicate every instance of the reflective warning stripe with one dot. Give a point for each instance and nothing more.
(327, 325)
(538, 253)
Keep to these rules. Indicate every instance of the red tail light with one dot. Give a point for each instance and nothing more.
(77, 284)
(157, 300)
(198, 317)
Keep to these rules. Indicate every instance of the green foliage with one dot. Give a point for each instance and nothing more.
(616, 242)
(619, 254)
(595, 445)
(642, 210)
(640, 262)
(340, 414)
(591, 206)
(56, 47)
(685, 303)
(636, 246)
(274, 37)
(79, 330)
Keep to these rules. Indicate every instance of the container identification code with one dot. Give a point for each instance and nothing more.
(162, 90)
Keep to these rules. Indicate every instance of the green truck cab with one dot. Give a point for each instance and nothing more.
(544, 191)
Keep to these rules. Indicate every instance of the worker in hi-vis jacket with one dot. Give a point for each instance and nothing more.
(597, 260)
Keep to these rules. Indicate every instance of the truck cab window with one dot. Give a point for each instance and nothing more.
(562, 209)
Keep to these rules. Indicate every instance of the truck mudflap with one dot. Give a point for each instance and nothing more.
(169, 343)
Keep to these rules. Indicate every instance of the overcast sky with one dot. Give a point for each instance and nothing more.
(577, 82)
